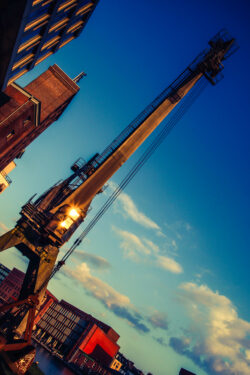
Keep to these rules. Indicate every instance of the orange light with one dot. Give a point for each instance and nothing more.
(66, 223)
(74, 214)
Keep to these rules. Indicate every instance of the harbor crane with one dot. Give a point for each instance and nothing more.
(48, 222)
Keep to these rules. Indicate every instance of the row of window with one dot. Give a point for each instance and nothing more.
(8, 288)
(42, 16)
(9, 136)
(35, 29)
(62, 310)
(7, 294)
(62, 322)
(59, 335)
(3, 274)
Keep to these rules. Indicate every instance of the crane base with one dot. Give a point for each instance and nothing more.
(19, 361)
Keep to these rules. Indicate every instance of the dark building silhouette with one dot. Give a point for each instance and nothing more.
(32, 30)
(185, 372)
(124, 365)
(28, 111)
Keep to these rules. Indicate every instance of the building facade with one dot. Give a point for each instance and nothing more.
(28, 111)
(10, 287)
(32, 30)
(75, 335)
(4, 271)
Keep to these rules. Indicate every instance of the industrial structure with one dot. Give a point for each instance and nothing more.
(27, 112)
(73, 334)
(47, 222)
(32, 30)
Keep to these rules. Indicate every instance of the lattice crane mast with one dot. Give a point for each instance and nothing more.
(49, 221)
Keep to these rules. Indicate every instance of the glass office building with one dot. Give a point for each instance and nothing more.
(35, 29)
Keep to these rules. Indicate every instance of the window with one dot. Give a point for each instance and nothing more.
(35, 2)
(10, 135)
(69, 7)
(23, 61)
(84, 9)
(36, 22)
(27, 121)
(51, 42)
(65, 4)
(58, 25)
(30, 43)
(46, 2)
(75, 26)
(66, 41)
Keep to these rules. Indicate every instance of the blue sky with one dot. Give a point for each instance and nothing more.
(168, 265)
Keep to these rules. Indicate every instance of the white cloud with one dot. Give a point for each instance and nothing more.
(168, 264)
(133, 247)
(152, 245)
(219, 338)
(116, 302)
(97, 287)
(141, 249)
(129, 210)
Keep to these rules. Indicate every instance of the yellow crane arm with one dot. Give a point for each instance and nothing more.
(83, 195)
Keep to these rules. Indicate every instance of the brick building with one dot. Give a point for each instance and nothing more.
(10, 287)
(32, 30)
(75, 335)
(27, 112)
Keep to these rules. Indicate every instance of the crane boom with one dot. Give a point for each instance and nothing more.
(49, 221)
(83, 196)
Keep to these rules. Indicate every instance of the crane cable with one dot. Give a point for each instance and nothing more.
(169, 125)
